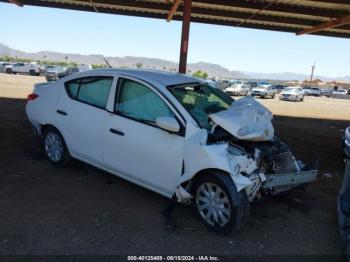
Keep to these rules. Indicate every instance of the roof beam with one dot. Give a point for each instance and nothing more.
(173, 9)
(16, 2)
(283, 8)
(327, 25)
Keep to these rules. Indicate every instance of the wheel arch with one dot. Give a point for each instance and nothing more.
(45, 127)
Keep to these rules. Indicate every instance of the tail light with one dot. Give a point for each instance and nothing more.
(32, 96)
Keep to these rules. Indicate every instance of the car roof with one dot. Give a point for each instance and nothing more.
(163, 77)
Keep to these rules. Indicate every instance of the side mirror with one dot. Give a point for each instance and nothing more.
(168, 123)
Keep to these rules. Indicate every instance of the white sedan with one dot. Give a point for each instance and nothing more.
(170, 133)
(292, 93)
(237, 89)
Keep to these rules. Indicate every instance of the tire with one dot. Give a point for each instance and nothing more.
(32, 72)
(273, 96)
(8, 71)
(55, 148)
(236, 204)
(302, 99)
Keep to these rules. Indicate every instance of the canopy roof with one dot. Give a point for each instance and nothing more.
(320, 17)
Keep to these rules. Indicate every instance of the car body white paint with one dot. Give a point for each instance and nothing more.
(92, 143)
(151, 156)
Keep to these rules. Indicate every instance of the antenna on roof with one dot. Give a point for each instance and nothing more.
(106, 61)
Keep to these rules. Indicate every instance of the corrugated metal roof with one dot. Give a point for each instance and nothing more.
(278, 15)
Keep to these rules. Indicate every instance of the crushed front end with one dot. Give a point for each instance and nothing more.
(255, 152)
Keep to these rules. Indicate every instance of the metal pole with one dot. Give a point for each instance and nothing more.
(312, 73)
(186, 20)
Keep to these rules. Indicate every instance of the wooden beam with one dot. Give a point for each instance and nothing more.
(16, 2)
(173, 10)
(186, 21)
(333, 23)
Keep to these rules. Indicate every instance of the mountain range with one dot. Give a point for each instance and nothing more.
(213, 70)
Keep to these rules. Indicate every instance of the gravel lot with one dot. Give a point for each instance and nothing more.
(82, 210)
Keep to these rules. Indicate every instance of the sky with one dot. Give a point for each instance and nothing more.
(34, 29)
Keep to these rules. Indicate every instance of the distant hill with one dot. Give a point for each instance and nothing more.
(213, 70)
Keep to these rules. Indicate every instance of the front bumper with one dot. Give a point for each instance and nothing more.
(295, 179)
(288, 98)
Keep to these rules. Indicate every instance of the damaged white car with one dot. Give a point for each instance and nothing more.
(170, 133)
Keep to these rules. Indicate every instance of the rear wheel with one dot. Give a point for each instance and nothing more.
(218, 204)
(32, 72)
(55, 147)
(8, 71)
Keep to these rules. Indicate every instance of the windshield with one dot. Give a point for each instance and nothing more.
(290, 89)
(201, 100)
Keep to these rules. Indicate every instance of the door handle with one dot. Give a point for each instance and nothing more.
(61, 112)
(115, 131)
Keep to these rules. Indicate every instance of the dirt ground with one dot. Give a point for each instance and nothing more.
(82, 210)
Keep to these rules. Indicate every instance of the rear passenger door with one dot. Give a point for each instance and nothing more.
(82, 115)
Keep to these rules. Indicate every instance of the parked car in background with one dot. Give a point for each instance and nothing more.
(52, 74)
(278, 88)
(292, 93)
(202, 147)
(312, 91)
(224, 83)
(340, 92)
(346, 142)
(47, 67)
(73, 69)
(33, 69)
(239, 88)
(3, 66)
(263, 91)
(326, 92)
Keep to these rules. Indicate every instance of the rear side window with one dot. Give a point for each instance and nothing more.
(91, 90)
(72, 89)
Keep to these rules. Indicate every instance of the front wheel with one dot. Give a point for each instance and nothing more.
(218, 204)
(55, 147)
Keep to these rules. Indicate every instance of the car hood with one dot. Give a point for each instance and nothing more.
(288, 93)
(246, 119)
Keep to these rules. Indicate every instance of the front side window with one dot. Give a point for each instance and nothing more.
(201, 100)
(137, 101)
(90, 90)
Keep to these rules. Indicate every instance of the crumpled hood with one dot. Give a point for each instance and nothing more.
(246, 119)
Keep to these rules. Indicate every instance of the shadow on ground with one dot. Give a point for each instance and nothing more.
(82, 210)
